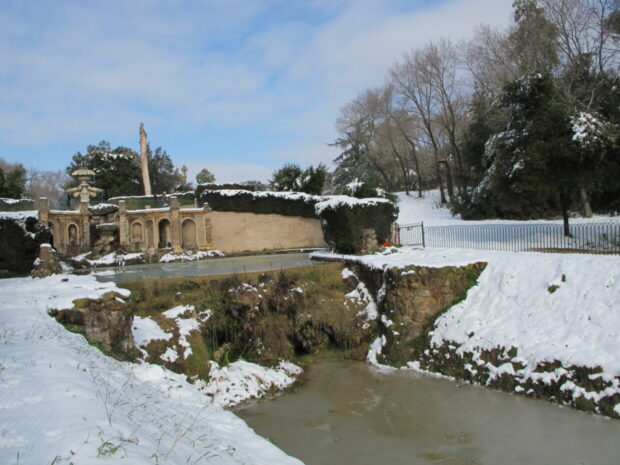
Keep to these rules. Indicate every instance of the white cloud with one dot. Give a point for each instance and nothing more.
(98, 70)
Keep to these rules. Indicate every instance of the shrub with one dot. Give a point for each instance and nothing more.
(280, 203)
(20, 238)
(343, 220)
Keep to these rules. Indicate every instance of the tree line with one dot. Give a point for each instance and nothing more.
(521, 122)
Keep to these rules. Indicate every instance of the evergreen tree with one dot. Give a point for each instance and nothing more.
(485, 120)
(117, 171)
(286, 178)
(165, 177)
(14, 183)
(292, 178)
(2, 183)
(544, 156)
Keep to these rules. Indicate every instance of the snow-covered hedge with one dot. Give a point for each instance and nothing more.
(223, 186)
(139, 202)
(21, 234)
(280, 203)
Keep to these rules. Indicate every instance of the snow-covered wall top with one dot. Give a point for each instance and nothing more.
(13, 205)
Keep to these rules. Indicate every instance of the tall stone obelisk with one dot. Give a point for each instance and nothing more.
(144, 162)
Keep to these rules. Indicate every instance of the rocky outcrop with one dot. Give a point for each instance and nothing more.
(410, 299)
(105, 322)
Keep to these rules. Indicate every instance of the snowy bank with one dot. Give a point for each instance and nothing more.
(63, 401)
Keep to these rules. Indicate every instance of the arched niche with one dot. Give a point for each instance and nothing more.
(165, 233)
(137, 232)
(188, 233)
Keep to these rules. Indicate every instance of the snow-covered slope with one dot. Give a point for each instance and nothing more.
(430, 210)
(62, 401)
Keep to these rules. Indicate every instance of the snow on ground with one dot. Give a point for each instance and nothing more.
(241, 381)
(231, 385)
(517, 304)
(186, 325)
(63, 401)
(178, 311)
(189, 256)
(110, 259)
(430, 210)
(146, 330)
(361, 295)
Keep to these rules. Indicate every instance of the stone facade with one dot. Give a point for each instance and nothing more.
(153, 231)
(237, 232)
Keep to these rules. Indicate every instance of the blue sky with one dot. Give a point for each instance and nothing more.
(236, 86)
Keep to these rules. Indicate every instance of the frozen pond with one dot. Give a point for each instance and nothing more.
(347, 413)
(206, 267)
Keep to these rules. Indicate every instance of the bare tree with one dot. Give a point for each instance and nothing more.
(357, 127)
(486, 56)
(413, 78)
(405, 126)
(586, 45)
(48, 184)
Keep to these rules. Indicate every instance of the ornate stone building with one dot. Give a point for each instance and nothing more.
(149, 230)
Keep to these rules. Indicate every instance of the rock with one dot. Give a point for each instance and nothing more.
(106, 321)
(48, 262)
(369, 241)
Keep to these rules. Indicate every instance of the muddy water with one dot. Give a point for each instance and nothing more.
(347, 413)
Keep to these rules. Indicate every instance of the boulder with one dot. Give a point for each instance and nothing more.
(48, 262)
(105, 322)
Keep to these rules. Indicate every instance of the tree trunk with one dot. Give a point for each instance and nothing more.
(442, 194)
(586, 210)
(416, 163)
(564, 204)
(448, 179)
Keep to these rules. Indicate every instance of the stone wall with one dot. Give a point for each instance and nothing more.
(238, 232)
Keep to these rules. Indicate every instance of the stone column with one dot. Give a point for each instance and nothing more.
(123, 227)
(175, 225)
(201, 235)
(85, 245)
(44, 210)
